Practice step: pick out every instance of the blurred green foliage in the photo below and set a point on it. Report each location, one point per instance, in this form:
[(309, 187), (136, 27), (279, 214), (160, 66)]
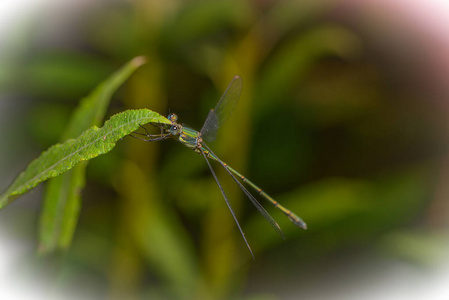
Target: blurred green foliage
[(317, 127)]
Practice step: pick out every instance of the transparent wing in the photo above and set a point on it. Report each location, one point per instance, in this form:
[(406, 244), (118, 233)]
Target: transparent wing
[(222, 110)]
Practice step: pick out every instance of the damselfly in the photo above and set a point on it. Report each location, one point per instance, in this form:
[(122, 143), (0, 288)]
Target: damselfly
[(194, 140)]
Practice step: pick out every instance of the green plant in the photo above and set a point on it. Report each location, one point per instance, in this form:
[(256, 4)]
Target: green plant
[(69, 159)]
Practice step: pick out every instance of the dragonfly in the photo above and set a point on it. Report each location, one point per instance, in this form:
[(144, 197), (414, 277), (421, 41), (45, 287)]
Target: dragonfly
[(195, 140)]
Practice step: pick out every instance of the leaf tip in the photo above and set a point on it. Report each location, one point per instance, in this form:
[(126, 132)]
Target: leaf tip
[(139, 60)]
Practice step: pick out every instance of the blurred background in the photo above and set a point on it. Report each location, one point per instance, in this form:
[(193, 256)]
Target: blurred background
[(342, 119)]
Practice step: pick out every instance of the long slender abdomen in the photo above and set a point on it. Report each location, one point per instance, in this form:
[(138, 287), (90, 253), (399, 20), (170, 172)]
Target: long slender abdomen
[(292, 216)]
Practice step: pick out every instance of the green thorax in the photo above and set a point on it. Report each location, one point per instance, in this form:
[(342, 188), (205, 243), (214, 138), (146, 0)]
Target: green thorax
[(189, 137)]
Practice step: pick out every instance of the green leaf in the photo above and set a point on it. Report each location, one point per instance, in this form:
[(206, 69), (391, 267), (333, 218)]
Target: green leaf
[(63, 194), (62, 205), (92, 143), (92, 109)]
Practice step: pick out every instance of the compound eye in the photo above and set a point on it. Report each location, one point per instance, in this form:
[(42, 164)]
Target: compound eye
[(175, 130), (173, 118)]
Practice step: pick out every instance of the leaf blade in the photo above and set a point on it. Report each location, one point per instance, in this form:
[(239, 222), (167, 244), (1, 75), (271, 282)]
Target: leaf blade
[(92, 143), (62, 196)]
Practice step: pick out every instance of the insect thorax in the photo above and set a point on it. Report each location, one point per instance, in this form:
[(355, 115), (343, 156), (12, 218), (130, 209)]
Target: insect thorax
[(190, 138)]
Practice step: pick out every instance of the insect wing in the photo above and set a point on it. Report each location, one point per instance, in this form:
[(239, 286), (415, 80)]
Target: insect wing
[(223, 109)]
